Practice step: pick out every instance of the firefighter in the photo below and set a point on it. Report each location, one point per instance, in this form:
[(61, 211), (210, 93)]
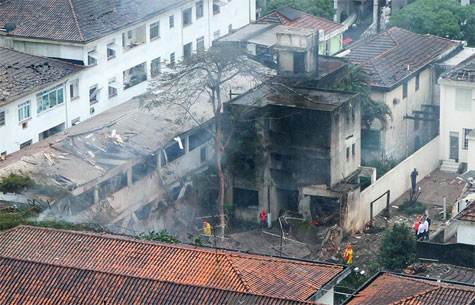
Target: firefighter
[(207, 228), (348, 254), (263, 219)]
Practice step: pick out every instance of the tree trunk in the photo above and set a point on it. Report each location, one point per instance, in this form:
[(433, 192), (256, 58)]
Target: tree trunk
[(219, 156)]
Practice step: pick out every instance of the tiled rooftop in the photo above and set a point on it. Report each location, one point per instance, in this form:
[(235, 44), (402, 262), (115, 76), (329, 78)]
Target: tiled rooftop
[(77, 20), (297, 19), (465, 71), (451, 273), (468, 214), (389, 288), (26, 282), (22, 74), (396, 53), (278, 277)]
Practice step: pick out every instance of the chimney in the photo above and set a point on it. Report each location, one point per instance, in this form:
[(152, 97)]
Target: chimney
[(298, 51)]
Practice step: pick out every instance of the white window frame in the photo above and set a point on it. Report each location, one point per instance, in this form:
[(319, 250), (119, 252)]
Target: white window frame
[(154, 27), (186, 11), (171, 21), (41, 103), (74, 85), (94, 92), (24, 111)]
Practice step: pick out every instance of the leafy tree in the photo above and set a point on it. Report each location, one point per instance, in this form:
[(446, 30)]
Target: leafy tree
[(447, 19), (320, 8), (15, 183), (161, 236), (357, 80), (203, 75), (398, 249)]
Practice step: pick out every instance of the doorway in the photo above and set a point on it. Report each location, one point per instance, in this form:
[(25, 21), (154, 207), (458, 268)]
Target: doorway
[(454, 146)]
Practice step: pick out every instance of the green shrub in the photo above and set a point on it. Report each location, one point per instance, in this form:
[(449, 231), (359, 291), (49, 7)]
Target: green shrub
[(161, 236), (398, 249), (15, 183), (412, 208), (382, 166)]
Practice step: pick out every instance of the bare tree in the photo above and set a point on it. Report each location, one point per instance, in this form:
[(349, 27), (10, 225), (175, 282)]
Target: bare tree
[(206, 75)]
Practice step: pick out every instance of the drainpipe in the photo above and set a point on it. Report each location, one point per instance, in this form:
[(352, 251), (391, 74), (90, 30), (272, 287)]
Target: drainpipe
[(66, 97)]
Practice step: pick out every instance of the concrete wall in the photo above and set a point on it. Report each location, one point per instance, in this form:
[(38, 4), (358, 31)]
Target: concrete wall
[(396, 180), (398, 139), (466, 232), (452, 120)]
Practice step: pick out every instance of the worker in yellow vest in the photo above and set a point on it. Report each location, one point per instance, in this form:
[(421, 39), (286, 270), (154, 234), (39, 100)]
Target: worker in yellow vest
[(207, 228), (348, 254)]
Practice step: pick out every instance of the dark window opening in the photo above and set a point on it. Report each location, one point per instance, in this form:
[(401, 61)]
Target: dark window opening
[(216, 8), (353, 149), (113, 185), (51, 132), (203, 154), (299, 62), (245, 198), (187, 50), (465, 140), (25, 144), (140, 170), (199, 9), (371, 139), (187, 18), (174, 152), (347, 153), (199, 138), (171, 21), (404, 90), (417, 82)]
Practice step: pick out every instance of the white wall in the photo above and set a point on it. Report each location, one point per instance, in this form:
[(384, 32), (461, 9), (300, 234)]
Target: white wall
[(452, 120), (465, 233), (397, 181), (12, 134), (235, 12)]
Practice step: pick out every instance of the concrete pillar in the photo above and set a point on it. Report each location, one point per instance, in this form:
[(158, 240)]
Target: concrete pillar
[(96, 194), (304, 207), (129, 176)]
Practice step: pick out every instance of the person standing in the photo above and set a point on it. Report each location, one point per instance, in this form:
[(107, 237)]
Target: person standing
[(414, 175), (416, 225), (425, 225), (348, 255), (429, 221), (207, 228), (263, 219), (420, 230)]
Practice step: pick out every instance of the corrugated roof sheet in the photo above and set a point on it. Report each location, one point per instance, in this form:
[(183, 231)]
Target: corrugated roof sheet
[(468, 214), (396, 53), (284, 278), (400, 289), (22, 74), (465, 71), (26, 282)]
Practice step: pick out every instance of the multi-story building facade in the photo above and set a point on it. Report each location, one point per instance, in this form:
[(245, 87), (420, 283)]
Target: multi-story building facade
[(123, 44)]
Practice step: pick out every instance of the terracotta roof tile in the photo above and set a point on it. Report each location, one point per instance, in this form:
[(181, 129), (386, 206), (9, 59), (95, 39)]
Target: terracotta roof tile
[(387, 56), (26, 282), (22, 74), (401, 289), (304, 20), (468, 214), (229, 270)]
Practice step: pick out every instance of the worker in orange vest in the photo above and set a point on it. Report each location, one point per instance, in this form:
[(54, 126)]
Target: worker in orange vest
[(348, 254), (263, 219), (416, 224)]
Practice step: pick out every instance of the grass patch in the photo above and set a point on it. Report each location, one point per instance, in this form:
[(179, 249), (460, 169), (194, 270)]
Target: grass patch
[(411, 209), (382, 166)]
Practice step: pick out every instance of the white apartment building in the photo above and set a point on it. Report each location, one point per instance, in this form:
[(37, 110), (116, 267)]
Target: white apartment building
[(122, 43), (457, 114)]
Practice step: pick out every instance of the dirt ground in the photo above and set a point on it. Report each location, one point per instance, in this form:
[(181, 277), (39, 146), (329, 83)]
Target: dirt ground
[(365, 244)]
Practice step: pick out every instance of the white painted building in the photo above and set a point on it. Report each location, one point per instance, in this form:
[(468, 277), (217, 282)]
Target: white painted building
[(457, 112), (122, 44), (36, 95)]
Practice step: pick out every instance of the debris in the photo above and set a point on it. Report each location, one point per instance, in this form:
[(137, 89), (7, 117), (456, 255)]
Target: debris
[(49, 158), (91, 153), (28, 160)]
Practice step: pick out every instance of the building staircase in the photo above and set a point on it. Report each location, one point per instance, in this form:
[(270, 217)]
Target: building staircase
[(450, 166)]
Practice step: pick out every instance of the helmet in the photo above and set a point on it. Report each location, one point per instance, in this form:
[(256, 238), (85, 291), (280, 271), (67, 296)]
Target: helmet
[(349, 246)]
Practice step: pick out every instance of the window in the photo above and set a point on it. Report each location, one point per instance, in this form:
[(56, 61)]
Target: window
[(199, 9), (203, 156), (187, 18), (370, 139), (93, 94), (156, 66), (134, 38), (200, 44), (465, 140), (171, 21), (347, 153), (135, 75), (172, 58), (111, 50), (463, 99), (353, 149), (173, 152), (216, 8), (92, 58), (216, 34), (25, 144), (50, 98), (24, 111), (130, 34), (404, 90), (2, 118), (230, 28), (155, 30), (198, 138), (187, 49), (417, 82), (112, 87), (74, 89)]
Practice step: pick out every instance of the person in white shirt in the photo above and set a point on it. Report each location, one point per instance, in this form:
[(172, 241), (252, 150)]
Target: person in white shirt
[(425, 224), (420, 231)]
